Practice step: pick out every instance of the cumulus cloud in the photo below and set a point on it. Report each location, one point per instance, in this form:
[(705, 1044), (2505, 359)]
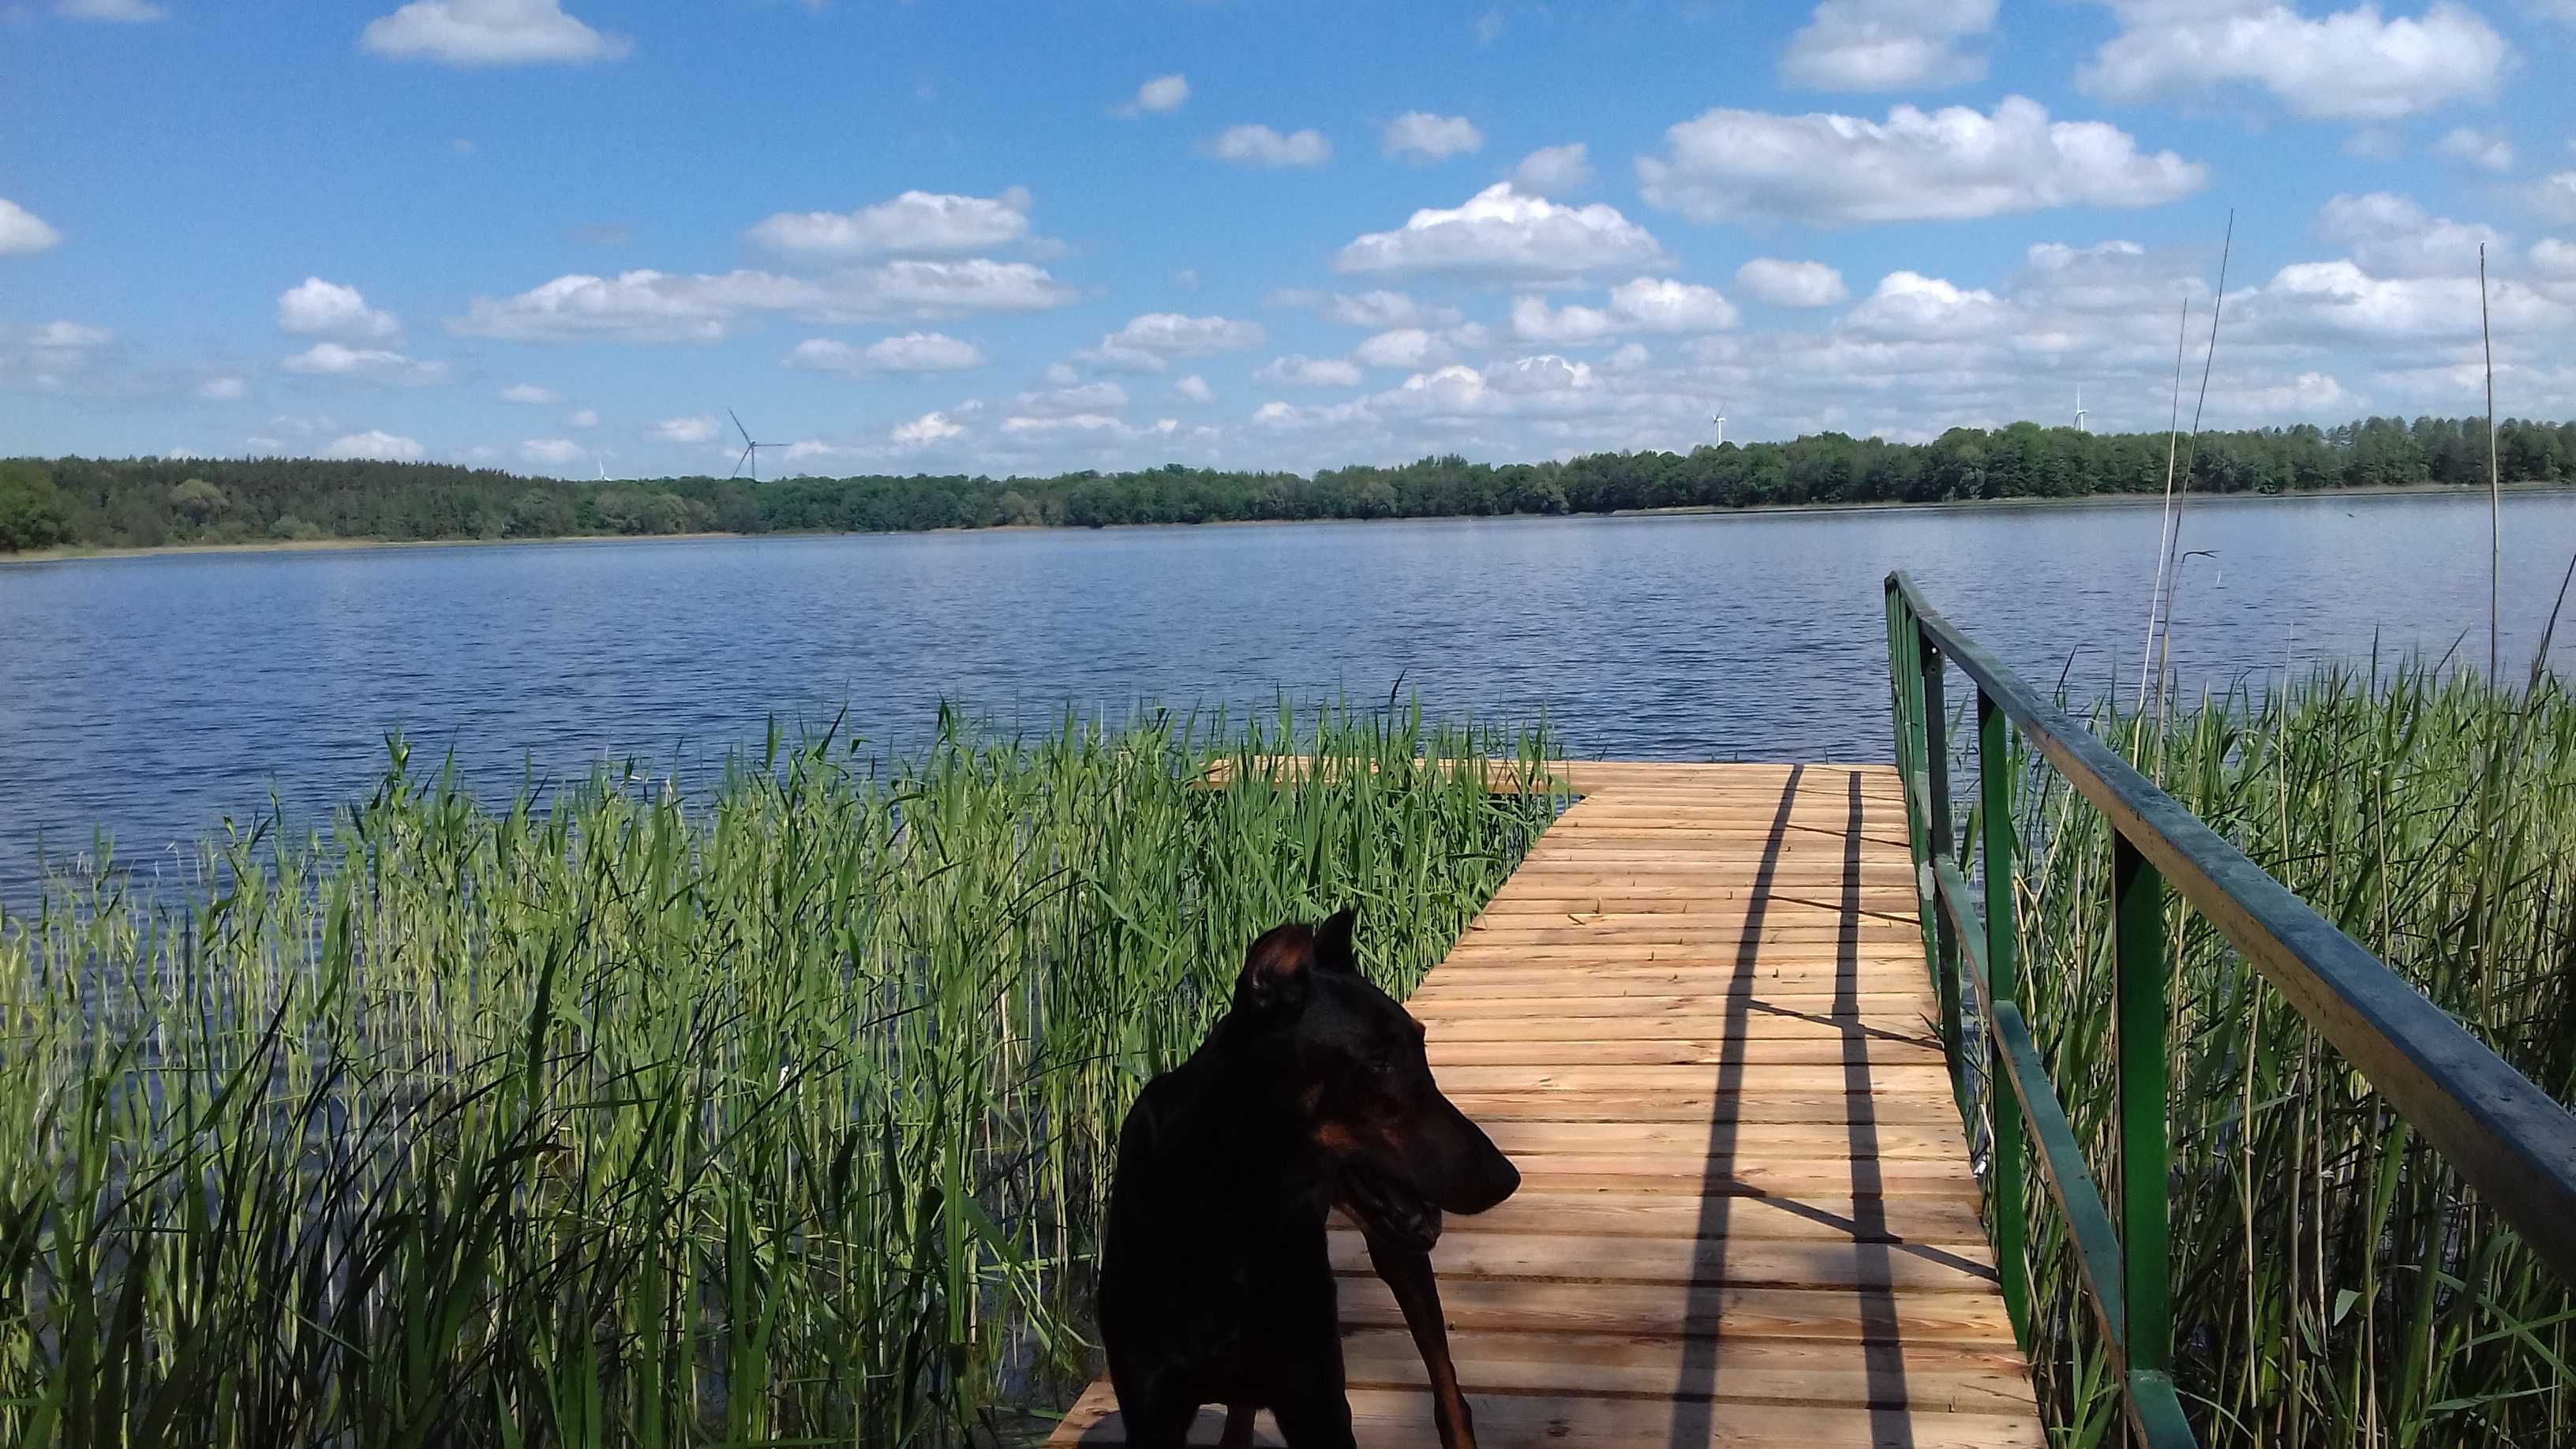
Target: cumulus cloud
[(554, 452), (584, 418), (1071, 401), (924, 430), (686, 430), (1403, 348), (1193, 389), (316, 308), (365, 364), (650, 306), (1262, 146), (223, 388), (489, 32), (1148, 342), (2340, 302), (2486, 150), (22, 232), (1831, 170), (1885, 45), (375, 445), (1298, 370), (529, 392), (911, 352), (2352, 65), (1911, 305), (1553, 170), (1374, 308), (1422, 136), (916, 223), (121, 11), (2391, 236), (1644, 305), (1791, 284), (1158, 97), (2553, 196), (1504, 234)]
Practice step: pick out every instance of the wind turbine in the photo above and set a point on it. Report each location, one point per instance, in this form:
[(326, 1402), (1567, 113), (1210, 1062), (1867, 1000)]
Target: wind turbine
[(750, 448), (2079, 407), (1719, 418)]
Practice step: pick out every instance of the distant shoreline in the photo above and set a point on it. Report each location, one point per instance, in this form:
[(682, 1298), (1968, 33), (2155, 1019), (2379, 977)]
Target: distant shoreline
[(81, 554)]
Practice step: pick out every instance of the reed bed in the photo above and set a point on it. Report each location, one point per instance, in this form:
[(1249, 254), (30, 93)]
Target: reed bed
[(2334, 1284), (776, 1116)]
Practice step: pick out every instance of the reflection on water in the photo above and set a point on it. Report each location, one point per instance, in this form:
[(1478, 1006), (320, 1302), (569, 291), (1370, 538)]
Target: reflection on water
[(153, 696)]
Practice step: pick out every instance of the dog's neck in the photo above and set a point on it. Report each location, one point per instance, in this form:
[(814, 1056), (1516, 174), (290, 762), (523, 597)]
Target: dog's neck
[(1250, 1142)]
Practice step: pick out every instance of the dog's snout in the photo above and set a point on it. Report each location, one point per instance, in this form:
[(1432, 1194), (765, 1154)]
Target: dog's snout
[(1497, 1180)]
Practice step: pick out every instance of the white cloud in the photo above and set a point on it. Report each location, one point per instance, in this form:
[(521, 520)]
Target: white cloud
[(1403, 348), (223, 388), (1193, 389), (924, 430), (2338, 301), (2348, 66), (1885, 45), (916, 223), (22, 232), (316, 308), (1553, 170), (1489, 27), (1422, 136), (375, 445), (1160, 97), (1065, 402), (1298, 370), (1792, 284), (69, 337), (650, 306), (1148, 342), (488, 32), (529, 392), (1644, 305), (1831, 170), (2486, 150), (2553, 196), (2553, 258), (552, 451), (686, 430), (584, 418), (123, 11), (911, 352), (1502, 233), (365, 364), (1075, 423), (2391, 236), (1373, 309), (1909, 305), (1262, 146)]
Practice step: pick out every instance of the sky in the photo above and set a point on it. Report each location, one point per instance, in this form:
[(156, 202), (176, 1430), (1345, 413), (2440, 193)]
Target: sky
[(566, 236)]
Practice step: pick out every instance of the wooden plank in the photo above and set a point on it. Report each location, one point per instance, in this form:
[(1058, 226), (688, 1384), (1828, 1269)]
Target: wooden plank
[(1399, 1419), (1700, 1024)]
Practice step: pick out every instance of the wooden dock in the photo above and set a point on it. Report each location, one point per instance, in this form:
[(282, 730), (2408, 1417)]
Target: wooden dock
[(1698, 1018)]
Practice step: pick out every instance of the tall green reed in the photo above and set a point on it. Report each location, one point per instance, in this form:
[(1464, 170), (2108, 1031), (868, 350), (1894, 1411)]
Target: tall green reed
[(2334, 1282), (781, 1115)]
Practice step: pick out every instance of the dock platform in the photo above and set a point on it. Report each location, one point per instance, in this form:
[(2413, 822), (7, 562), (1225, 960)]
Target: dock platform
[(1697, 1016)]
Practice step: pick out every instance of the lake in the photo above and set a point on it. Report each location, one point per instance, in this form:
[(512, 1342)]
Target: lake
[(154, 696)]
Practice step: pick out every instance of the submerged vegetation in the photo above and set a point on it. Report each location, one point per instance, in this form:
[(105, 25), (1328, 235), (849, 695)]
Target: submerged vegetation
[(775, 1117), (147, 502), (2333, 1284)]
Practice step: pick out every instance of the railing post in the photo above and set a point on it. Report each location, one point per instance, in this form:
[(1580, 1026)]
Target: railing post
[(1904, 678), (2139, 966), (1936, 810), (2003, 984)]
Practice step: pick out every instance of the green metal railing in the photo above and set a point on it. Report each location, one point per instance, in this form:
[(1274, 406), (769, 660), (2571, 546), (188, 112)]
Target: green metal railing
[(2508, 1138)]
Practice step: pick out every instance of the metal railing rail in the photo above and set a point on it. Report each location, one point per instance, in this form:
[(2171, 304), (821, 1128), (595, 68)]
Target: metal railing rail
[(2512, 1142)]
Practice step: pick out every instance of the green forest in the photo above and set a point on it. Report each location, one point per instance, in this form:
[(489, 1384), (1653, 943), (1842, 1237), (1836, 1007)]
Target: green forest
[(150, 502)]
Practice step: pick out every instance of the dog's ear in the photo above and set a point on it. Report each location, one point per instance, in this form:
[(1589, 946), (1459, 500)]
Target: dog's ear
[(1333, 942), (1277, 971)]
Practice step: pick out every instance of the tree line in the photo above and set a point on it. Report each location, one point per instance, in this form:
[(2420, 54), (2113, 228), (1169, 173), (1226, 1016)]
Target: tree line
[(149, 502)]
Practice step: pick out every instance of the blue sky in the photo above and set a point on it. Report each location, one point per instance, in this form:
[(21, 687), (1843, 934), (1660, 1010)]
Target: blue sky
[(565, 235)]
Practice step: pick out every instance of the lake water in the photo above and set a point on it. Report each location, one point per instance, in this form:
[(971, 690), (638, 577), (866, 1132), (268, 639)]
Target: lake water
[(154, 696)]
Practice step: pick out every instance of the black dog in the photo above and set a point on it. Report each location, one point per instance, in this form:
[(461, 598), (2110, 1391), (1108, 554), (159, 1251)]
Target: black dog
[(1215, 1286)]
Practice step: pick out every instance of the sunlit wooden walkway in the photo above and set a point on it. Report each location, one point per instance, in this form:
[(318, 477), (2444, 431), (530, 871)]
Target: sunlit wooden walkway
[(1698, 1018)]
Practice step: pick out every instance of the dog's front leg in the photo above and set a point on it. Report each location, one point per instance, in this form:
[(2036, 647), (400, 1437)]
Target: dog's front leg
[(1408, 1272)]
